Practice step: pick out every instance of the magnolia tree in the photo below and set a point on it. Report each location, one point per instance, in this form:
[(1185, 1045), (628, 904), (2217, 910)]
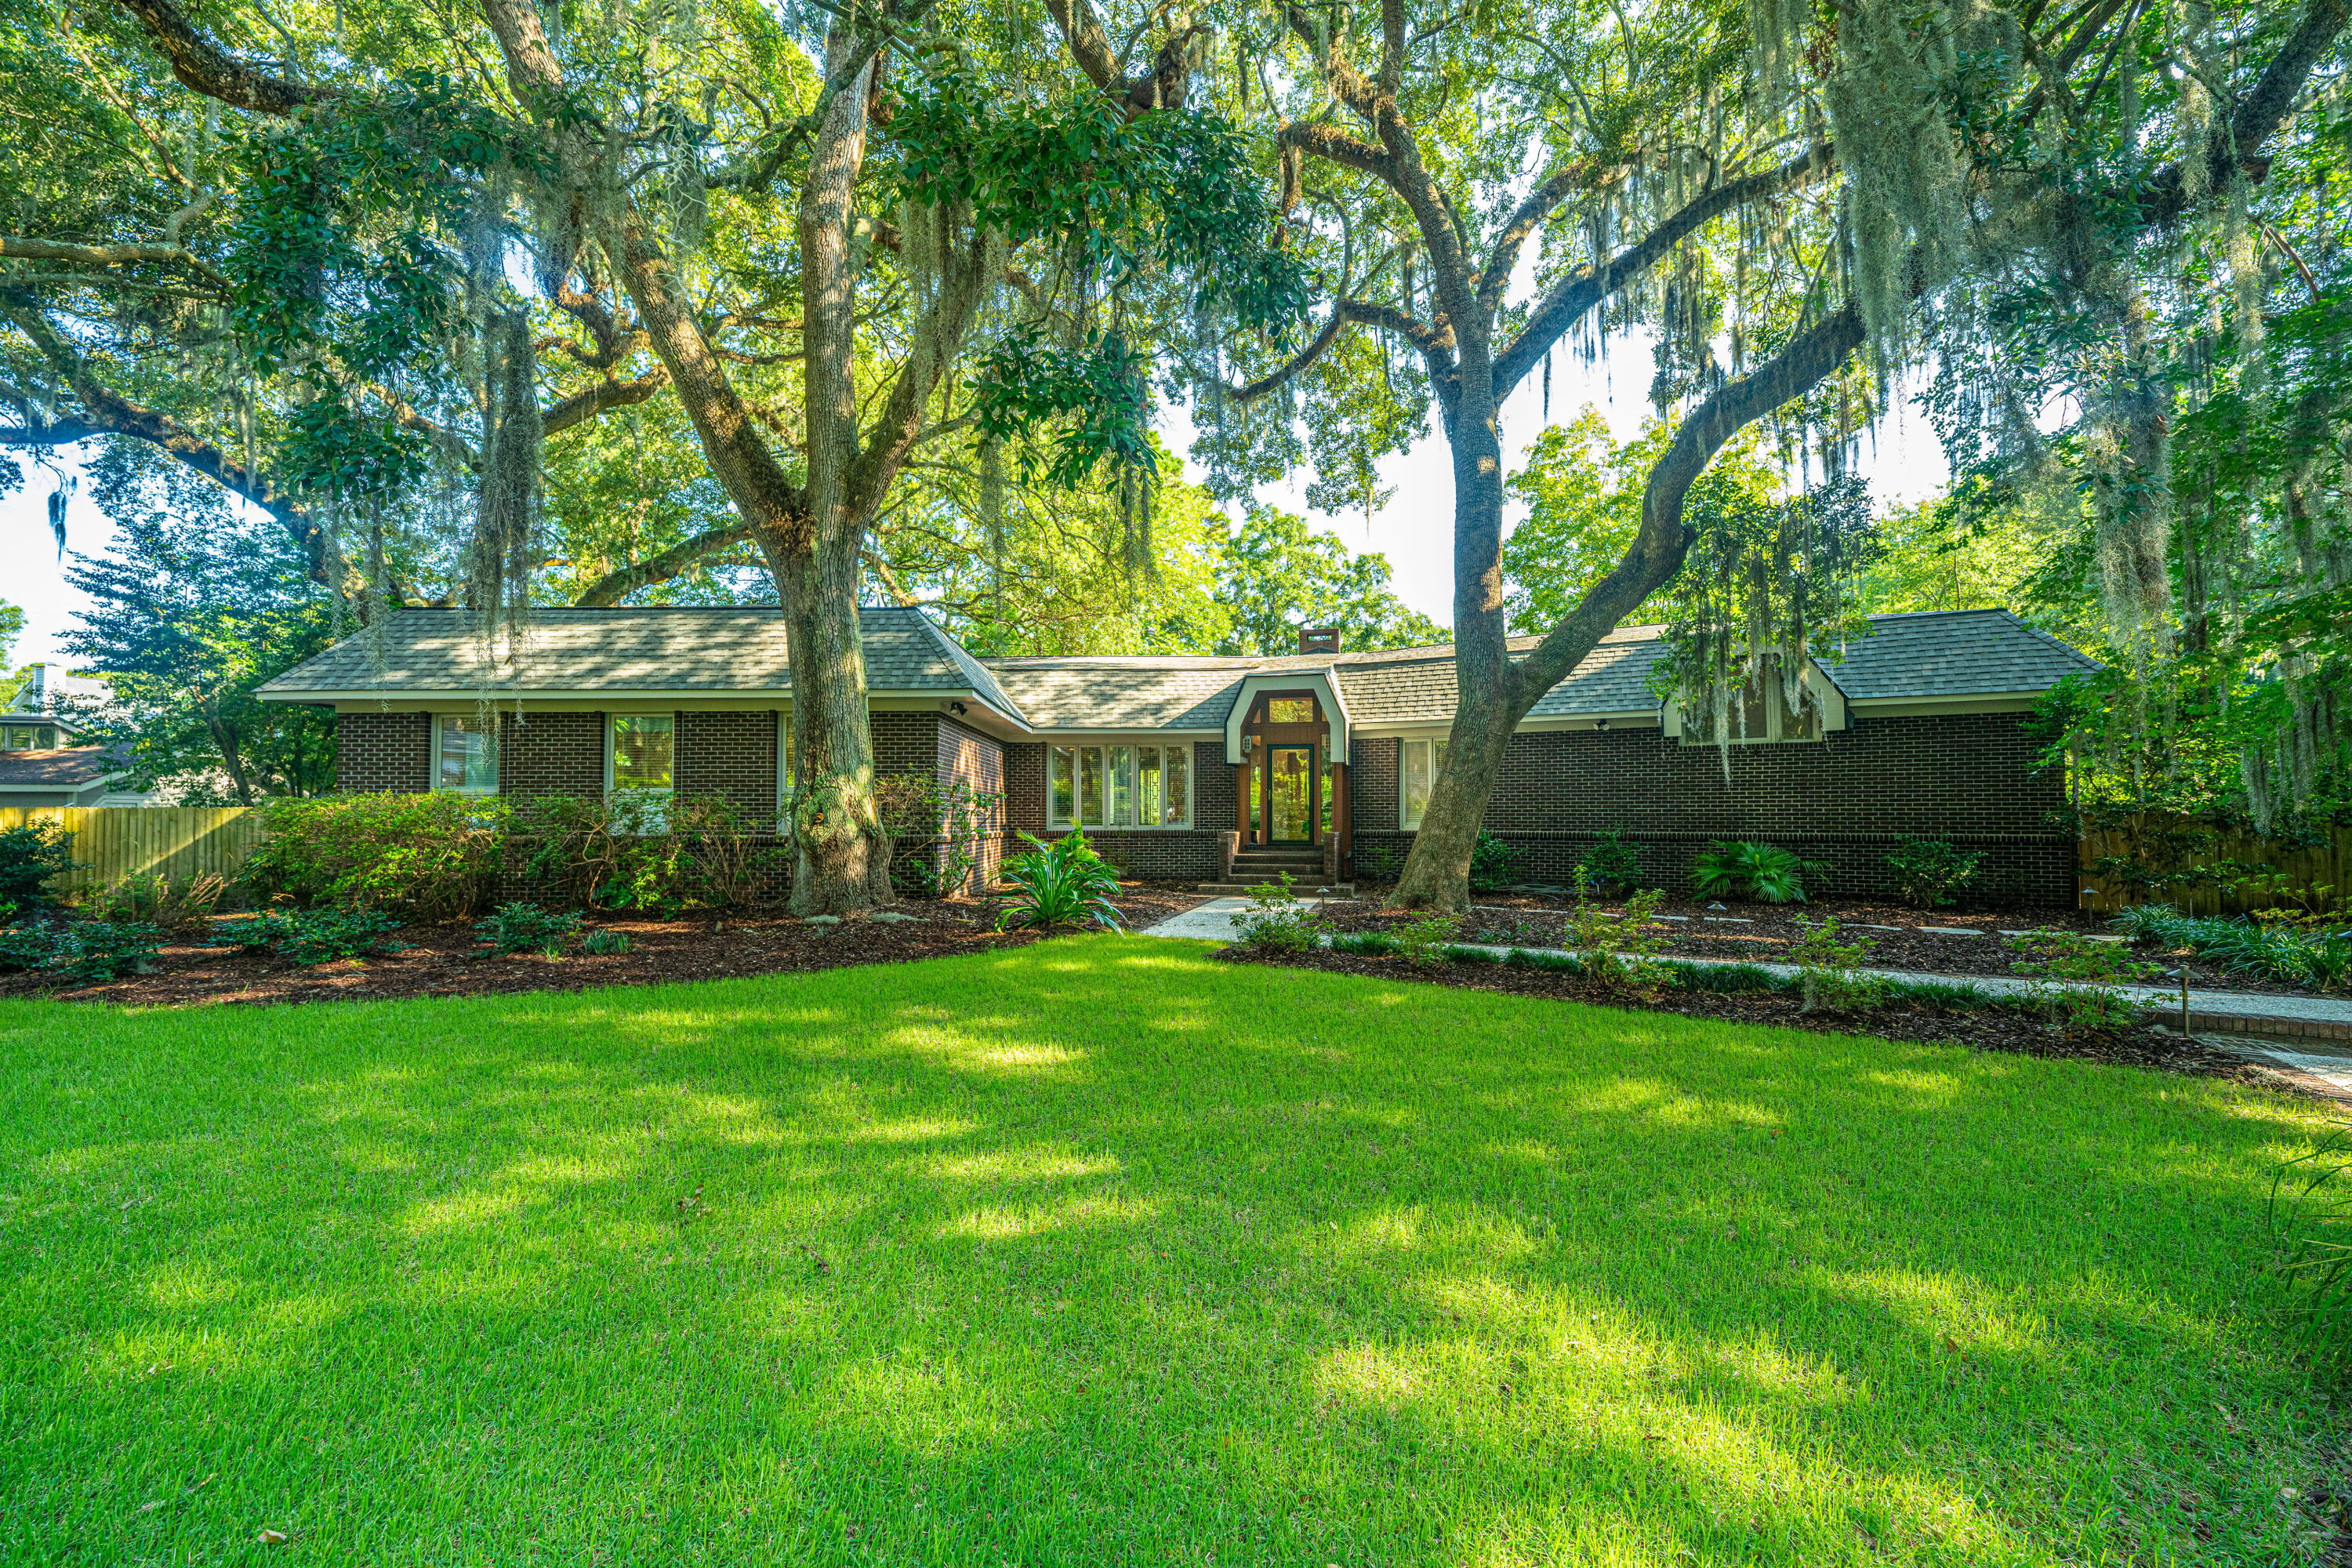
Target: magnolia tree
[(361, 261), (1765, 191)]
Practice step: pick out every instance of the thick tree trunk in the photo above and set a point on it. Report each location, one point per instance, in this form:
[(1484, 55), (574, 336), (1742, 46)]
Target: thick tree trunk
[(841, 859), (1495, 693)]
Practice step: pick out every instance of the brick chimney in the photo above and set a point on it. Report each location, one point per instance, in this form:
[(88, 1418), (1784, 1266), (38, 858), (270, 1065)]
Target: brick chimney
[(1319, 639)]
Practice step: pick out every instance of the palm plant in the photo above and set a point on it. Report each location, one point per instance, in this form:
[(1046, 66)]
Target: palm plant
[(1743, 870), (1061, 883)]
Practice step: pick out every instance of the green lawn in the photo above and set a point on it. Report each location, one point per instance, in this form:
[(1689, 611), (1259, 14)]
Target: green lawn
[(1100, 1252)]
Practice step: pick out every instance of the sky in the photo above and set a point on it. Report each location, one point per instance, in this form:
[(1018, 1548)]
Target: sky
[(1905, 463)]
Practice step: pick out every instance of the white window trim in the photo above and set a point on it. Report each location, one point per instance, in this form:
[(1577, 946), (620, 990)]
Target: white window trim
[(497, 762), (611, 720), (1431, 740), (1105, 743)]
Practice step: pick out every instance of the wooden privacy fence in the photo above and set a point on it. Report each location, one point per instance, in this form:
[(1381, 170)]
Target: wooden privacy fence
[(2173, 844), (181, 842)]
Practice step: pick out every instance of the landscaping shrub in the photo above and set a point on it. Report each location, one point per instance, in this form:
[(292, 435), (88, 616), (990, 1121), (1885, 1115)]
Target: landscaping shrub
[(1612, 864), (1490, 863), (1566, 963), (30, 856), (1378, 863), (145, 896), (1061, 883), (527, 927), (1425, 938), (1737, 868), (2311, 1217), (1363, 943), (656, 855), (2080, 978), (944, 826), (1831, 973), (605, 941), (2289, 949), (1620, 950), (1276, 921), (311, 936), (1931, 873), (84, 950), (432, 857)]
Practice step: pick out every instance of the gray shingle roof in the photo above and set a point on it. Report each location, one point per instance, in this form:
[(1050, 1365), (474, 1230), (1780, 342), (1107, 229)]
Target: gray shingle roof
[(669, 648), (1953, 653), (1124, 693)]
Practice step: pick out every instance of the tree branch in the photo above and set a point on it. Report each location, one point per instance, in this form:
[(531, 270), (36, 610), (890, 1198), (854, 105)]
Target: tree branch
[(200, 64), (618, 584), (1658, 551), (1585, 287), (104, 255), (601, 398)]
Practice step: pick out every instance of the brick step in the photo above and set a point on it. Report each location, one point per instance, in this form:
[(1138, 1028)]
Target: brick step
[(1303, 887), (1278, 858)]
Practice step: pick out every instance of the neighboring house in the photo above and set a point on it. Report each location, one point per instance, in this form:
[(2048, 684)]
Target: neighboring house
[(1191, 769), (39, 763)]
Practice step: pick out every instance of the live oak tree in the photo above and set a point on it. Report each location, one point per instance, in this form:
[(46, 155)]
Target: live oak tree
[(1786, 182), (829, 248)]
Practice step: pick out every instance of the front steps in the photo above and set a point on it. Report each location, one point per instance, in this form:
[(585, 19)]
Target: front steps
[(1255, 868)]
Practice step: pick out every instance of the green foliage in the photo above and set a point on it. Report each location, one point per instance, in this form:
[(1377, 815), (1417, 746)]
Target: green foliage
[(81, 950), (935, 832), (1619, 949), (1613, 865), (1277, 575), (1730, 979), (431, 856), (526, 928), (1378, 863), (311, 936), (1583, 493), (191, 609), (1276, 921), (2311, 1221), (150, 895), (603, 939), (1061, 883), (2319, 956), (1491, 863), (1930, 872), (1424, 939), (1741, 869), (1831, 976), (29, 857), (655, 855), (2080, 979)]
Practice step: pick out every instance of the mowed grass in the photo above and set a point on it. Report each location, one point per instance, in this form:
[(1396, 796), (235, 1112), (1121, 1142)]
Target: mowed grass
[(1099, 1252)]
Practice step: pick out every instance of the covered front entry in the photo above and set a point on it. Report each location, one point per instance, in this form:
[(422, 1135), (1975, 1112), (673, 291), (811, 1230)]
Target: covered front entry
[(1290, 790)]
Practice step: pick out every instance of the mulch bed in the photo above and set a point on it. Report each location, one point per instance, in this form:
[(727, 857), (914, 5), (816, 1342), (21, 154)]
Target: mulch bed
[(1762, 933), (446, 960), (1991, 1029)]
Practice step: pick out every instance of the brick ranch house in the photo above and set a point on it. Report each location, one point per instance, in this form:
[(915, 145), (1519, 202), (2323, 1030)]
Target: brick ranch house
[(1197, 768)]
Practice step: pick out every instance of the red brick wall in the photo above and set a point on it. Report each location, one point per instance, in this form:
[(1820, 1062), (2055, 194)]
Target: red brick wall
[(979, 760), (378, 753), (1969, 778), (550, 753), (730, 756)]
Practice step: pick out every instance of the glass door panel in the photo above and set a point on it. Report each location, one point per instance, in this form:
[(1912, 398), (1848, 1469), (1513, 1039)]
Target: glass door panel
[(1290, 794)]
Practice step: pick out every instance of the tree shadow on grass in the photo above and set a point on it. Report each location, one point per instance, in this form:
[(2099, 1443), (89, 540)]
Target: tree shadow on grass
[(1104, 1252)]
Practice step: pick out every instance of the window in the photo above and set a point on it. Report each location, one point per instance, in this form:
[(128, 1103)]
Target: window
[(644, 747), (1417, 770), (1756, 717), (1119, 786), (28, 738), (1290, 709), (465, 753)]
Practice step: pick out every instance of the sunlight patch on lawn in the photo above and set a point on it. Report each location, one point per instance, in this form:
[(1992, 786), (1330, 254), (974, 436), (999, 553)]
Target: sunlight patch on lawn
[(1011, 1222), (1037, 1163)]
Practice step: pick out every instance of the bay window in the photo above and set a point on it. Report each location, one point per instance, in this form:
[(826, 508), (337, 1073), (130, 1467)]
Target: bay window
[(1119, 786), (1417, 770)]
